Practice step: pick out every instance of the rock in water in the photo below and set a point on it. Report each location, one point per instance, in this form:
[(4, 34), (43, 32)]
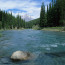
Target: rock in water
[(5, 60), (20, 55)]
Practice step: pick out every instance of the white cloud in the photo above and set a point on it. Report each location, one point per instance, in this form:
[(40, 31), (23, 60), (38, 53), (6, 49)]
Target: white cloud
[(26, 5)]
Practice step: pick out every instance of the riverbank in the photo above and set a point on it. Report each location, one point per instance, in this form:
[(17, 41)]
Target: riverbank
[(12, 29), (54, 29), (60, 29)]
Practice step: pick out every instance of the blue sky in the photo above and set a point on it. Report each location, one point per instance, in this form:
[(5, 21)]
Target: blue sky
[(22, 7)]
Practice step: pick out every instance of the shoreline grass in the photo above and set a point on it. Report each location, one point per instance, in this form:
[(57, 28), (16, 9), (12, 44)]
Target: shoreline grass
[(53, 29), (60, 29)]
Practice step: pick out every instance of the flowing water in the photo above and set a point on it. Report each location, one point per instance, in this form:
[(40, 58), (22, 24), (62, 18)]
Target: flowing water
[(48, 47)]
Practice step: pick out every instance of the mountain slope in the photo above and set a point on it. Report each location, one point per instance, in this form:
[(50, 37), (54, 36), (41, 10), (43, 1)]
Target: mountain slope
[(27, 17)]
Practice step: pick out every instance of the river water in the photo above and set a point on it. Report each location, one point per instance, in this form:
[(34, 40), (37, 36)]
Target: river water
[(48, 47)]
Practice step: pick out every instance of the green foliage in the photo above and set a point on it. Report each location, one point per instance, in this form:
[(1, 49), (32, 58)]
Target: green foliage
[(8, 21), (32, 23), (42, 16), (53, 28), (55, 13), (64, 25), (64, 29), (36, 27), (53, 17)]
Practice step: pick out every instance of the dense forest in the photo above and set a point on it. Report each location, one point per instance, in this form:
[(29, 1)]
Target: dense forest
[(8, 21), (53, 17)]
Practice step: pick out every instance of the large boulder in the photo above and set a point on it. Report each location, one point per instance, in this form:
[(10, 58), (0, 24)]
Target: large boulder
[(20, 55)]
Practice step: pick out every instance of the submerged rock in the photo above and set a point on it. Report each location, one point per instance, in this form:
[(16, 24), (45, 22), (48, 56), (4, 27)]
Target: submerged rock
[(5, 60), (56, 54), (20, 55)]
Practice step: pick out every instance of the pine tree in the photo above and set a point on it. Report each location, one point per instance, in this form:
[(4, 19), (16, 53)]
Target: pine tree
[(42, 16), (0, 19), (0, 15), (8, 21), (47, 15), (50, 22), (3, 20)]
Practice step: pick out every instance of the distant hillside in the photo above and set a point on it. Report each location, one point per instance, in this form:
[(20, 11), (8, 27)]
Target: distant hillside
[(32, 22)]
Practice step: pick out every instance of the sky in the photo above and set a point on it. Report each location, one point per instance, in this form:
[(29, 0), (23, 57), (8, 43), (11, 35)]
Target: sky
[(22, 7)]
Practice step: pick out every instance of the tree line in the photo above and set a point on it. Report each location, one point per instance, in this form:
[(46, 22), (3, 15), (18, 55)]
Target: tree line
[(53, 17), (8, 21)]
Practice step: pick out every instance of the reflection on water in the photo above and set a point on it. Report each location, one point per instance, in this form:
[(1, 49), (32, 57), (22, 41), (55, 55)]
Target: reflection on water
[(47, 47)]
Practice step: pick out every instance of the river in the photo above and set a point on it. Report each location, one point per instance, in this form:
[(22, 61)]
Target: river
[(48, 47)]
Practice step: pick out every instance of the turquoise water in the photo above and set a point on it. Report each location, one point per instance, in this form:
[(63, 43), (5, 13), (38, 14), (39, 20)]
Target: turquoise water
[(48, 47)]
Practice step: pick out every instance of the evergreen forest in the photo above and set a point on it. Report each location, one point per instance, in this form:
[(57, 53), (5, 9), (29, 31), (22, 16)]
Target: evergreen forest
[(53, 17)]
